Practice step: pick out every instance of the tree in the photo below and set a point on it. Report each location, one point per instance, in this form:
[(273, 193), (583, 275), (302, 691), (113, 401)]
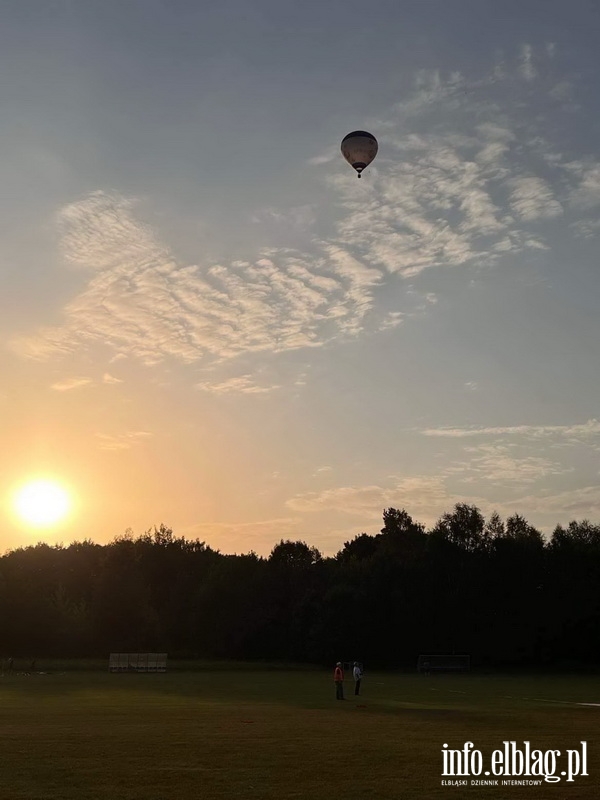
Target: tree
[(494, 527), (359, 548), (493, 589), (464, 527), (294, 554), (399, 522), (519, 529), (578, 534)]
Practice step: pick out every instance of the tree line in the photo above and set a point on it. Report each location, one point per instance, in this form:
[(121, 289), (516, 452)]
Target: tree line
[(495, 589)]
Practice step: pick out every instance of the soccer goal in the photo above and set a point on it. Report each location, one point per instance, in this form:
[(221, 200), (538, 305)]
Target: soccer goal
[(137, 662), (443, 663)]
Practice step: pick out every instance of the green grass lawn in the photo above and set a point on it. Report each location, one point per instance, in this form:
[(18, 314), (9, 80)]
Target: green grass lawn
[(278, 734)]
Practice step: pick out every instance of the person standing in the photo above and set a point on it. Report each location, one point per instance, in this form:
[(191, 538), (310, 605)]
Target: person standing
[(357, 673), (338, 677)]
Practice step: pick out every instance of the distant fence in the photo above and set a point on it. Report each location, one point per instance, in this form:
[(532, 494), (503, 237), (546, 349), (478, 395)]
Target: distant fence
[(137, 662), (443, 663)]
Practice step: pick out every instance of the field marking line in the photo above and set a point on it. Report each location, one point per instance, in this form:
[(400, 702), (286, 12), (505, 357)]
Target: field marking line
[(544, 700), (562, 702)]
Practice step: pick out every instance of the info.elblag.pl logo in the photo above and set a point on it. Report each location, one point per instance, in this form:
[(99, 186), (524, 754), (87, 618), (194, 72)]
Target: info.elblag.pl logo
[(512, 765)]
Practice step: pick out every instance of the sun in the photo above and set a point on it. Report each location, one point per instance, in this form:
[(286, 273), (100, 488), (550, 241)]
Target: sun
[(42, 503)]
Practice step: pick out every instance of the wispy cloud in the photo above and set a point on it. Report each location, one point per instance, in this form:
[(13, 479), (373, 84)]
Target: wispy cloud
[(329, 154), (146, 306), (578, 432), (392, 320), (464, 175), (243, 384), (69, 384), (322, 470), (532, 198), (300, 217), (426, 497), (528, 70), (497, 464), (585, 194), (586, 229), (582, 502), (121, 441)]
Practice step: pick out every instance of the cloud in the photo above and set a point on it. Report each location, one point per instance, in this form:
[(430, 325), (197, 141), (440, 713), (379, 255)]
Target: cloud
[(325, 157), (299, 217), (144, 305), (349, 499), (122, 441), (580, 503), (424, 497), (585, 194), (531, 198), (428, 211), (573, 433), (322, 470), (586, 229), (244, 384), (108, 378), (496, 464), (427, 497), (392, 320), (563, 90), (71, 383), (466, 175), (101, 233), (527, 68)]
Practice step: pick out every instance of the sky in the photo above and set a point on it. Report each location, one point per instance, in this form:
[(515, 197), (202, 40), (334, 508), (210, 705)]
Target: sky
[(208, 322)]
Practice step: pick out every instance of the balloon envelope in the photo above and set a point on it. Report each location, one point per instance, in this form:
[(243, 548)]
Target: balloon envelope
[(359, 148)]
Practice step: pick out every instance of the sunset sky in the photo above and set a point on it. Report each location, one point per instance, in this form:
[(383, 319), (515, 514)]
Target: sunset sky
[(207, 321)]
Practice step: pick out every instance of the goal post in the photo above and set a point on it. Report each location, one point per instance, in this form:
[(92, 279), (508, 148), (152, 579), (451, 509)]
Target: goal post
[(443, 663), (137, 662)]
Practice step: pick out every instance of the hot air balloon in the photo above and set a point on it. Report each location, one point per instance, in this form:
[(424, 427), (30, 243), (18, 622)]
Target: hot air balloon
[(359, 148)]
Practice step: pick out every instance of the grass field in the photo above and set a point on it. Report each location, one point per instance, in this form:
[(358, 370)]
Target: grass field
[(244, 733)]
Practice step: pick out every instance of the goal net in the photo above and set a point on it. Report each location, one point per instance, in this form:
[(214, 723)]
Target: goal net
[(137, 662)]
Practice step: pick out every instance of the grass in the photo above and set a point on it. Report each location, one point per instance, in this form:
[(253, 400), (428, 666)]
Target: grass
[(277, 734)]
